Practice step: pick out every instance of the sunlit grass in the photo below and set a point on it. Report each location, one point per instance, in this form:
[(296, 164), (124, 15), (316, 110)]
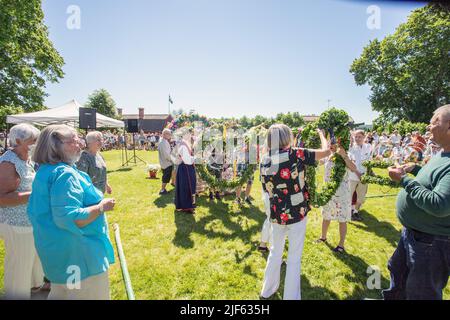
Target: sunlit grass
[(212, 254)]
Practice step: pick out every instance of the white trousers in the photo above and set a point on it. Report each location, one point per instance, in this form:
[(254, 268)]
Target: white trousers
[(296, 237), (23, 269), (91, 288), (266, 232)]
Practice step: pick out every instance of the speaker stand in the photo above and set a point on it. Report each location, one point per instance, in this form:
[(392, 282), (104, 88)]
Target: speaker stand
[(134, 157)]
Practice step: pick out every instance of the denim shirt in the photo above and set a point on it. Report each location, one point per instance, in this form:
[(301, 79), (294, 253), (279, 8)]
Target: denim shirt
[(61, 194)]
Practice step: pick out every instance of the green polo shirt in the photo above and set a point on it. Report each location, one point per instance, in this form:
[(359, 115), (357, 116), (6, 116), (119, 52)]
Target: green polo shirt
[(424, 203)]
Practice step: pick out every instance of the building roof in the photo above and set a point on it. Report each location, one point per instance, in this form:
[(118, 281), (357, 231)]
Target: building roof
[(146, 116)]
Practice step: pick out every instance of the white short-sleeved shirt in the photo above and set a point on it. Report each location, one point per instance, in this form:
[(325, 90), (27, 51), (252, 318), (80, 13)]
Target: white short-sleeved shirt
[(359, 154)]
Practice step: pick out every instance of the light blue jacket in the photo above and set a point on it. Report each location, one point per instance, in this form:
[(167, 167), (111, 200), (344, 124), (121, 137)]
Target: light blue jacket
[(60, 196)]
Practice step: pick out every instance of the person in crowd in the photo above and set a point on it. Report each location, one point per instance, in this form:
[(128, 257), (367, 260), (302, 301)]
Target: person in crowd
[(141, 139), (165, 159), (359, 153), (243, 161), (68, 217), (93, 163), (395, 138), (420, 266), (283, 178), (23, 269), (369, 138), (2, 143), (418, 143), (266, 232), (376, 138), (298, 142), (384, 138), (339, 208), (185, 185), (152, 142), (215, 166), (407, 139)]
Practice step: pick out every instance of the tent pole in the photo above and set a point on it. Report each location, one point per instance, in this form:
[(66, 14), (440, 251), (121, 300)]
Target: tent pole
[(6, 135)]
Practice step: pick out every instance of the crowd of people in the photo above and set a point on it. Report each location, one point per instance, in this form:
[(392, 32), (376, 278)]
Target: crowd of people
[(53, 207), (423, 205), (52, 214)]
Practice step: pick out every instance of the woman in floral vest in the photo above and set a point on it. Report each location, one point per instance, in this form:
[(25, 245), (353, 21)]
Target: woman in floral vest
[(283, 179)]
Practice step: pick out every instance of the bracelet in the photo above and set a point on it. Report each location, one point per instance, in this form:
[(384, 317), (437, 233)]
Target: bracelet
[(100, 208)]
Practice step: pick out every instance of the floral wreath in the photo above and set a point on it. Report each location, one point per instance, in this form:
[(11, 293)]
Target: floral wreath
[(213, 181), (371, 177), (335, 122)]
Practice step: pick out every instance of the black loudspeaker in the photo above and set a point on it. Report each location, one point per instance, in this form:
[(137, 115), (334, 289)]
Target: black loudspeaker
[(132, 125), (88, 118)]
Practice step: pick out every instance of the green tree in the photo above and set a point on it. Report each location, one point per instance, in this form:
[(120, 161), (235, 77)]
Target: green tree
[(5, 111), (27, 57), (102, 101), (409, 71)]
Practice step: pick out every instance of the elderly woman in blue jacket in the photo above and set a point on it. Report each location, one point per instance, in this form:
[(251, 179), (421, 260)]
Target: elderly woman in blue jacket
[(69, 224)]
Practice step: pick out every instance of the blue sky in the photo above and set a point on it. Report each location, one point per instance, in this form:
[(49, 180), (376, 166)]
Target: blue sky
[(221, 58)]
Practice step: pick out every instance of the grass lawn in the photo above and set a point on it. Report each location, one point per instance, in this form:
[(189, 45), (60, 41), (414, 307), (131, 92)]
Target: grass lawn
[(212, 254)]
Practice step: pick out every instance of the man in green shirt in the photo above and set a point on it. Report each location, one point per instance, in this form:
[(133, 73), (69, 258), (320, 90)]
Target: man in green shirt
[(420, 266)]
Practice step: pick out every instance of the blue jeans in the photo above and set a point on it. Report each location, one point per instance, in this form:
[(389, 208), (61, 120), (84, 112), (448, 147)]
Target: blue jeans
[(420, 267)]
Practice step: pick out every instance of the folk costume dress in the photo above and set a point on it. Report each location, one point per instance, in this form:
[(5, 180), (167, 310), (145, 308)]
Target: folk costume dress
[(339, 207), (186, 181)]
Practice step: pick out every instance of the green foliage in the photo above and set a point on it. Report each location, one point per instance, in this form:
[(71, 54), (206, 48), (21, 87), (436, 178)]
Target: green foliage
[(403, 126), (337, 121), (293, 120), (5, 111), (27, 57), (409, 71), (220, 184), (371, 177), (102, 101)]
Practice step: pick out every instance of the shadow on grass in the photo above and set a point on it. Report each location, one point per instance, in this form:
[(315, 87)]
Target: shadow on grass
[(185, 223), (359, 276), (225, 211), (381, 228), (308, 291), (121, 169), (163, 200)]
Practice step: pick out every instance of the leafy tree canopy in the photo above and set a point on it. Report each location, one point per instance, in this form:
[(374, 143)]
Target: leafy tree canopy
[(102, 101), (27, 57), (409, 71)]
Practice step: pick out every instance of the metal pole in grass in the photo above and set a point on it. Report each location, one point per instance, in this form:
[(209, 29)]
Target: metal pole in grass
[(123, 263)]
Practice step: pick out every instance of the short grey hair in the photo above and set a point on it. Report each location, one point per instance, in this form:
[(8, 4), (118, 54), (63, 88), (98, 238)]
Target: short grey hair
[(279, 136), (93, 136), (166, 130), (22, 132), (444, 111), (50, 144)]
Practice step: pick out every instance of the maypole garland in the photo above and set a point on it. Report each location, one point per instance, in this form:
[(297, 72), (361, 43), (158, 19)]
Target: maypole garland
[(212, 180), (331, 120), (371, 177)]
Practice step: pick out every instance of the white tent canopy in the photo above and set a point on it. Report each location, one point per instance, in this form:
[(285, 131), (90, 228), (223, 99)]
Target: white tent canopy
[(65, 114)]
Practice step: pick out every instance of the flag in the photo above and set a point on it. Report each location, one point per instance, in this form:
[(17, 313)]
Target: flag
[(170, 100)]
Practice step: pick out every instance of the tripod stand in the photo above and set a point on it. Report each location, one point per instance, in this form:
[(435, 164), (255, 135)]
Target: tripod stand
[(134, 157)]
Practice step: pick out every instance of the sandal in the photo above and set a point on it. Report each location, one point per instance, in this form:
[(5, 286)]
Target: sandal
[(339, 249), (320, 240)]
